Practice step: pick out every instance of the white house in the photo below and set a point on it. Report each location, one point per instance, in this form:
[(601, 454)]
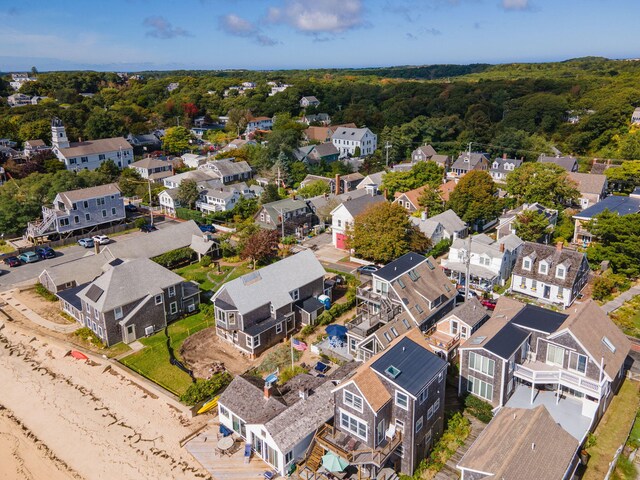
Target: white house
[(215, 197), (343, 215), (346, 140), (259, 123), (168, 201), (88, 155), (446, 225), (193, 160), (501, 167), (635, 117), (196, 175), (310, 101)]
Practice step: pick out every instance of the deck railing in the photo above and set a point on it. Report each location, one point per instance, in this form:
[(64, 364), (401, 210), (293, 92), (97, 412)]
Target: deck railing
[(557, 376)]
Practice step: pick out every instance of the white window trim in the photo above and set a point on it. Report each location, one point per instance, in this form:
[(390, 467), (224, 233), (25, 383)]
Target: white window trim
[(357, 419), (473, 381), (586, 365), (352, 403), (173, 308), (406, 407), (252, 342), (419, 424), (158, 299), (295, 294), (482, 360), (172, 291), (117, 313), (279, 328)]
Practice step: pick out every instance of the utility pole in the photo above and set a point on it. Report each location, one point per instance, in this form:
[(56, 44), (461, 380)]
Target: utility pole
[(281, 212), (387, 146), (467, 269), (150, 204)]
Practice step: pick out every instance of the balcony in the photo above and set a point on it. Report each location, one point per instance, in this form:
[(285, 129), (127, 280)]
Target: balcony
[(355, 451), (442, 341), (538, 372), (364, 324), (367, 293)]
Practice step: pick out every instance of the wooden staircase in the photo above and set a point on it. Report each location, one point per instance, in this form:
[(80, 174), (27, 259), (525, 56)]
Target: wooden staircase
[(315, 457)]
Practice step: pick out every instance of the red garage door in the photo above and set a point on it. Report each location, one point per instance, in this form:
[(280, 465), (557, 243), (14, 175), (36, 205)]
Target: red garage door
[(341, 241)]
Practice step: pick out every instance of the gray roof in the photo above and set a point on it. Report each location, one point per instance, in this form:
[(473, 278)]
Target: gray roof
[(94, 147), (202, 244), (470, 312), (501, 163), (468, 162), (589, 182), (450, 221), (570, 164), (128, 282), (246, 400), (323, 200), (356, 206), (195, 175), (272, 284), (149, 162), (81, 271), (285, 205), (483, 244), (426, 150), (537, 252), (72, 196), (355, 134), (228, 167), (614, 203), (372, 179), (302, 152)]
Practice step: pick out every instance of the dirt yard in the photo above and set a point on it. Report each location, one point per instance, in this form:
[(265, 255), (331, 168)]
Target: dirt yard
[(203, 351), (44, 308)]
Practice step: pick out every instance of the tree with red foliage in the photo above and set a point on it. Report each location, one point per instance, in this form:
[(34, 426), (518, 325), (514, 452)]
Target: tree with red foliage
[(260, 246), (190, 109)]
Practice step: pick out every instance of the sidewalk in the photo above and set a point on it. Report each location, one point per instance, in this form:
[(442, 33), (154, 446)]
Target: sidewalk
[(8, 298), (620, 299)]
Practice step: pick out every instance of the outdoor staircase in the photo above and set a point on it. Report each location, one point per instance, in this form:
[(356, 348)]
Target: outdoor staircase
[(315, 457), (449, 470), (40, 228)]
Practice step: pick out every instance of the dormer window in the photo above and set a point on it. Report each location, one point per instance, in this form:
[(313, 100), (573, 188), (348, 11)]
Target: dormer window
[(526, 264), (544, 268), (561, 272)]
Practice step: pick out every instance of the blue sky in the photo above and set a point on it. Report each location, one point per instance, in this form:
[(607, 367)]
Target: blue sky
[(265, 34)]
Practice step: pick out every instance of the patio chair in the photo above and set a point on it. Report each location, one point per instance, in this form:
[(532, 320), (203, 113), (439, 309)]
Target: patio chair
[(269, 475), (321, 367), (224, 431), (247, 452)]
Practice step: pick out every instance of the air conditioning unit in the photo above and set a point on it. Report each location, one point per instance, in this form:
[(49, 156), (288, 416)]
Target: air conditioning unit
[(191, 308), (148, 330)]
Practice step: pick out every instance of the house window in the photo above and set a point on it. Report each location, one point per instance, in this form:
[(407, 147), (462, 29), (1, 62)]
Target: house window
[(76, 219), (87, 217), (480, 388), (173, 308), (158, 299), (295, 294), (172, 291), (560, 272), (544, 268), (104, 213), (430, 412), (424, 394), (526, 264), (113, 211), (85, 204), (339, 222), (454, 327), (253, 342), (224, 412), (419, 424), (84, 159), (400, 426), (353, 425), (99, 201), (481, 364), (402, 400), (101, 156), (578, 362), (555, 355), (288, 458), (117, 312), (279, 328), (352, 400)]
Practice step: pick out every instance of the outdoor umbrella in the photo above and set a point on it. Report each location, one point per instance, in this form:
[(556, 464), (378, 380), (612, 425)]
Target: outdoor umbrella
[(333, 463), (336, 330)]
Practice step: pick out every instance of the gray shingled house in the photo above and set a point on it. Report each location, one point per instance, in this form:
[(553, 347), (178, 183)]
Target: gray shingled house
[(263, 307)]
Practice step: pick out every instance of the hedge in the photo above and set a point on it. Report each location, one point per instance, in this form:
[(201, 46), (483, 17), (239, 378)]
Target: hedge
[(175, 257), (203, 390)]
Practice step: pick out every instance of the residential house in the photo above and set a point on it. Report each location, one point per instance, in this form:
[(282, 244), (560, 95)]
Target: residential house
[(174, 181), (315, 154), (168, 200), (372, 182), (323, 205), (173, 86), (390, 412), (133, 299), (279, 421), (88, 155), (347, 140), (462, 322), (310, 101), (85, 209), (34, 147), (322, 134), (410, 292), (277, 88), (490, 261), (525, 356), (321, 118), (446, 189), (7, 142), (592, 187), (228, 170), (73, 273), (506, 221), (550, 273), (343, 217), (570, 164), (36, 99), (635, 117), (193, 160), (19, 79), (538, 448), (288, 216), (410, 200), (153, 169), (18, 100), (467, 162), (215, 197), (261, 308), (144, 143), (422, 154), (237, 143), (259, 123), (444, 226), (501, 167), (614, 203), (309, 179), (348, 183)]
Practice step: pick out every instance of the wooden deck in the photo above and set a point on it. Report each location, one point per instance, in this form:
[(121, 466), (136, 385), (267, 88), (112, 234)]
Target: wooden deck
[(225, 467)]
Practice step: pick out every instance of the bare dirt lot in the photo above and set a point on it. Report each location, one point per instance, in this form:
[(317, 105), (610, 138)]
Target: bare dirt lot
[(44, 308), (203, 350)]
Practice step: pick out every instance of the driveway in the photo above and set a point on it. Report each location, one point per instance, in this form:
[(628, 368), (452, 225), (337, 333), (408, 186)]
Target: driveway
[(328, 255)]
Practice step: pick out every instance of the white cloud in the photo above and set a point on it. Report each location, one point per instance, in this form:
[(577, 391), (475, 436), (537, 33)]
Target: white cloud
[(319, 16), (159, 27), (515, 4), (240, 27)]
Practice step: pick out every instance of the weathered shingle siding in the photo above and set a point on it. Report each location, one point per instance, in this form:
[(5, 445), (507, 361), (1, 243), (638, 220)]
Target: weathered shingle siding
[(95, 213), (495, 381)]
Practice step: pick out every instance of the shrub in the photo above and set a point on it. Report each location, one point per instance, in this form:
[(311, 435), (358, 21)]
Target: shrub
[(205, 261), (44, 293), (288, 373), (87, 335), (440, 248), (478, 408), (174, 258), (290, 240), (605, 285), (141, 222), (205, 389)]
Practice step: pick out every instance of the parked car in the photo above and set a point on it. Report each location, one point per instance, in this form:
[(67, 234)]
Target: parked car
[(207, 228), (488, 304), (460, 296), (367, 269), (86, 242), (12, 261), (46, 252), (130, 208), (148, 227), (29, 257), (101, 239)]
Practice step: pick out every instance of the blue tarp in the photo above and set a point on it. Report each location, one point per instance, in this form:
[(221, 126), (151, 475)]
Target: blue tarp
[(336, 331)]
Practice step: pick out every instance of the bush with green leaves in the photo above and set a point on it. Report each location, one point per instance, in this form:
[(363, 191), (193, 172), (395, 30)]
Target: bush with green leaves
[(288, 373), (205, 261), (174, 258), (44, 293), (202, 390), (478, 408)]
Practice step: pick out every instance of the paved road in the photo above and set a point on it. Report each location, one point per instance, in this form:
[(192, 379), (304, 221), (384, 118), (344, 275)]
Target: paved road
[(28, 272), (620, 299)]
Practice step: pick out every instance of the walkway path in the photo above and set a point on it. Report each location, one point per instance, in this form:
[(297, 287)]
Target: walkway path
[(449, 471), (620, 299), (9, 298)]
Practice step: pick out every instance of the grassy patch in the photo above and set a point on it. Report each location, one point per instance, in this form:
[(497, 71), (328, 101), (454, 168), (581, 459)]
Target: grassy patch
[(90, 340), (612, 431), (627, 317), (153, 360), (6, 248), (278, 358), (208, 277), (44, 293)]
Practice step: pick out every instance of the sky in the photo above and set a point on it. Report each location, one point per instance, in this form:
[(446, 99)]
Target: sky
[(284, 34)]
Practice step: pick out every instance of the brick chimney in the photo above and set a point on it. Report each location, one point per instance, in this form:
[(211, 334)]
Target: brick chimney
[(337, 184), (504, 156), (559, 246), (267, 391), (502, 248)]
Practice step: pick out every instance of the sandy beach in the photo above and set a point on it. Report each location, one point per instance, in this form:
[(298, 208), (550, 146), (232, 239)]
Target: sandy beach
[(61, 418)]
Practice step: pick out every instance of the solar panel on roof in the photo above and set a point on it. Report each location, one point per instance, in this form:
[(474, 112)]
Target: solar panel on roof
[(94, 293)]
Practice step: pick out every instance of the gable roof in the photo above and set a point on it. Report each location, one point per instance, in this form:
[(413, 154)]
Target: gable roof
[(72, 196), (506, 309), (325, 149), (614, 203), (372, 179), (272, 284), (468, 161), (228, 167), (470, 312), (195, 175), (371, 387), (320, 134), (427, 150), (246, 400), (285, 205), (516, 444), (94, 147), (354, 134), (446, 189), (568, 163), (501, 162), (412, 195), (533, 317), (450, 221), (400, 265), (355, 206), (149, 162), (589, 182), (554, 256)]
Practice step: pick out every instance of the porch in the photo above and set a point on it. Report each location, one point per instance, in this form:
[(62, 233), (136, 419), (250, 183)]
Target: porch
[(479, 276), (333, 347), (442, 342), (542, 373), (566, 410)]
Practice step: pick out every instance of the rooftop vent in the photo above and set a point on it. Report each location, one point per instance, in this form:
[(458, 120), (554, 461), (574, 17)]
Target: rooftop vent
[(392, 372)]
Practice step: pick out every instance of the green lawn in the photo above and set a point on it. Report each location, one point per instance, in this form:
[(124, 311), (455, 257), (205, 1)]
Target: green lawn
[(627, 317), (612, 430), (153, 361), (208, 277)]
